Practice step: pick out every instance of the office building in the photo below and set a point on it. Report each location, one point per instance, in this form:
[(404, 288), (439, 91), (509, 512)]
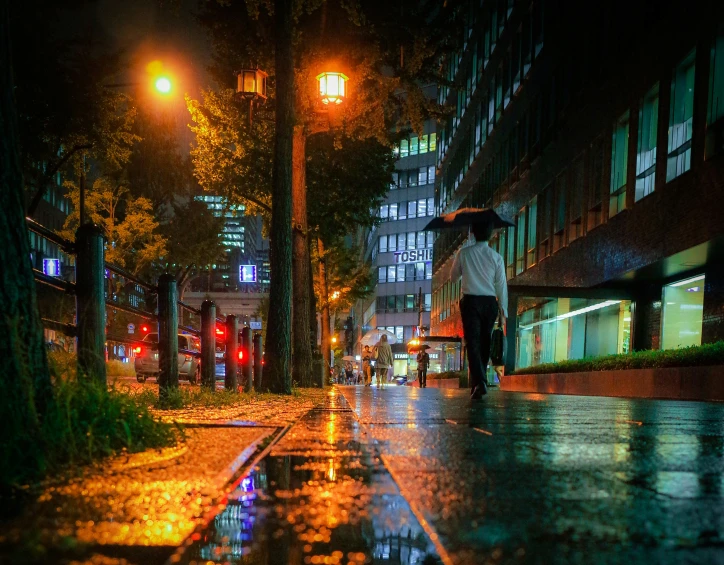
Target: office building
[(598, 128), (401, 252)]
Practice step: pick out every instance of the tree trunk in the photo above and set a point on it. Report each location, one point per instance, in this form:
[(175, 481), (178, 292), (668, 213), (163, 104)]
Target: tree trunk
[(25, 379), (278, 335), (325, 337), (302, 356)]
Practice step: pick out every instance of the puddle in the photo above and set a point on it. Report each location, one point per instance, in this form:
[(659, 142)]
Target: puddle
[(320, 496)]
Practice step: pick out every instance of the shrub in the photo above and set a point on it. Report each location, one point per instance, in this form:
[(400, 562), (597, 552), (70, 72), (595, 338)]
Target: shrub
[(694, 356), (84, 422), (115, 368)]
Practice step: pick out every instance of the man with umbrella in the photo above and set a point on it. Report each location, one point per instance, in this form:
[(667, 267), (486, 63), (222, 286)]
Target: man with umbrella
[(484, 287), (423, 362)]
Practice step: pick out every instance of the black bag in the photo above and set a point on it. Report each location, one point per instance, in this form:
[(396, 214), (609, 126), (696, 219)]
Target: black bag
[(498, 345)]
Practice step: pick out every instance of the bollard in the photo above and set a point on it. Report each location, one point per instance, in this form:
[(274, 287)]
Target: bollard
[(167, 335), (258, 356), (208, 345), (246, 368), (231, 364), (91, 302)]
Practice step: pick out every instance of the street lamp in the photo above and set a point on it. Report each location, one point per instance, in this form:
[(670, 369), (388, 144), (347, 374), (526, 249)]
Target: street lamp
[(163, 85), (332, 87), (251, 85), (334, 339)]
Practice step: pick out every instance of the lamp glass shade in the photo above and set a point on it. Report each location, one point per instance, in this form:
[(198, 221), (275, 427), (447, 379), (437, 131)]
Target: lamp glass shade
[(332, 87), (251, 83)]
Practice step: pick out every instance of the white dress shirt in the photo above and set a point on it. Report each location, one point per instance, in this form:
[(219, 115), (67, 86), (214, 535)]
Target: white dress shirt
[(483, 273)]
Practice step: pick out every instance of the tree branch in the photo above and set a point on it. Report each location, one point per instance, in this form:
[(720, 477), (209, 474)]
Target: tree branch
[(49, 174)]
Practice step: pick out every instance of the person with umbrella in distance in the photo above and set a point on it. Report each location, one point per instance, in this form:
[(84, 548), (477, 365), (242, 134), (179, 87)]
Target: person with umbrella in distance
[(484, 287), (423, 362), (383, 354)]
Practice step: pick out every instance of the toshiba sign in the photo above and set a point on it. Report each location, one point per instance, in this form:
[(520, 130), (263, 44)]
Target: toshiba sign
[(413, 256)]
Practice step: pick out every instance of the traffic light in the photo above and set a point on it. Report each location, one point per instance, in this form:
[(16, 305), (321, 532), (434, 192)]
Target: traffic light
[(241, 354), (144, 328)]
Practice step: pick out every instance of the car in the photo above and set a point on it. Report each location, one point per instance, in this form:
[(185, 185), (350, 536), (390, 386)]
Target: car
[(189, 363)]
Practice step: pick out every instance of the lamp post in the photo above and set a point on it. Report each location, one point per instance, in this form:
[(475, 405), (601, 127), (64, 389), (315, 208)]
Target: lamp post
[(251, 85)]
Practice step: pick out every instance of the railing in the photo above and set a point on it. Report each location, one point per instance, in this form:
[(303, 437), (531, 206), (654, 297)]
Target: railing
[(99, 304)]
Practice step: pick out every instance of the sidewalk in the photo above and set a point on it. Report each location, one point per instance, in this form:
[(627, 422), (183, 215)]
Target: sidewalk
[(140, 507)]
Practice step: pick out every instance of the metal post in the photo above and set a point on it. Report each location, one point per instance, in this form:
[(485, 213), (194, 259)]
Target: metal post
[(512, 324), (258, 359), (232, 353), (91, 302), (167, 335), (208, 345), (246, 363)]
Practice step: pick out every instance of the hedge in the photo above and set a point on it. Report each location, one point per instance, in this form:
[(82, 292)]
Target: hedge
[(694, 356)]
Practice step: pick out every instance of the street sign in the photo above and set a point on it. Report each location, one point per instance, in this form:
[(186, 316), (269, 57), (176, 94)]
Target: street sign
[(51, 267), (131, 328), (255, 325), (247, 273)]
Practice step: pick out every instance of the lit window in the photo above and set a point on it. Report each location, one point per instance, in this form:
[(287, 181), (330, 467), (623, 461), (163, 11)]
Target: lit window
[(520, 248), (681, 114), (404, 148), (532, 231), (646, 146), (413, 145), (423, 144), (619, 165), (433, 141), (715, 109), (682, 313), (383, 244)]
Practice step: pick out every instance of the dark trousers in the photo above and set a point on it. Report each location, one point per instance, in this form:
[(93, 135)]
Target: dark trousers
[(422, 377), (478, 314)]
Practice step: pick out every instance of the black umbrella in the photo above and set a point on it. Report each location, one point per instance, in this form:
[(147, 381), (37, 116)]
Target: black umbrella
[(466, 217)]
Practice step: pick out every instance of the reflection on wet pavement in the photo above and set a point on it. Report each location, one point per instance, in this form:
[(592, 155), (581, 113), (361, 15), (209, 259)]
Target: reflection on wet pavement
[(524, 478), (321, 495)]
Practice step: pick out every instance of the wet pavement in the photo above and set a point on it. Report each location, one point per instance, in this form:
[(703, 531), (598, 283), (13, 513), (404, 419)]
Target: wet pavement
[(321, 495), (530, 478)]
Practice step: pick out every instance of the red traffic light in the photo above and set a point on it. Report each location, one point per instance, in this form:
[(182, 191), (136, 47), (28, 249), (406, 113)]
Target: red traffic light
[(219, 331), (137, 349), (241, 354), (144, 328)]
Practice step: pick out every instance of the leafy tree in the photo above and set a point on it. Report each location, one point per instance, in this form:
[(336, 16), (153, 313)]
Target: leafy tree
[(131, 229)]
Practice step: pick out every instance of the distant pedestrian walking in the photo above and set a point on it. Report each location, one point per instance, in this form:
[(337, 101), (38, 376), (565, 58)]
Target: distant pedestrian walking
[(423, 362), (367, 366), (485, 297), (383, 354)]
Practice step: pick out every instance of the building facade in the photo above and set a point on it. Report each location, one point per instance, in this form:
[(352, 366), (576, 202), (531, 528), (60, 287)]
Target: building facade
[(400, 251), (598, 128)]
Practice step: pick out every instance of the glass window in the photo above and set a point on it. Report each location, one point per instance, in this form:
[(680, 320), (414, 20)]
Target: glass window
[(682, 313), (428, 298), (422, 207), (395, 180), (428, 270), (619, 164), (596, 183), (410, 272), (384, 211), (520, 247), (382, 274), (429, 238), (532, 230), (399, 303), (390, 302), (681, 113), (431, 206), (421, 240), (399, 333), (419, 271), (412, 177), (510, 252), (412, 209), (383, 244), (433, 141), (411, 240), (646, 146), (392, 243), (577, 191), (401, 241), (391, 273), (404, 148), (423, 144), (431, 174), (409, 302), (413, 145), (393, 212), (715, 109), (422, 176), (402, 211)]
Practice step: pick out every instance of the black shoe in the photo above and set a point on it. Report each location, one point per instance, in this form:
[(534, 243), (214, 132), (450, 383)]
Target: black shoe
[(478, 392)]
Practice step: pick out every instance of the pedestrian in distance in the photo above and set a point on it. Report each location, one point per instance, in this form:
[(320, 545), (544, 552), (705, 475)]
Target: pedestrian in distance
[(383, 354), (367, 366), (423, 362), (484, 298)]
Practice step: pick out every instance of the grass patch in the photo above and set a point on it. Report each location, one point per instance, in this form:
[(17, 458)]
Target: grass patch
[(694, 356), (85, 422)]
